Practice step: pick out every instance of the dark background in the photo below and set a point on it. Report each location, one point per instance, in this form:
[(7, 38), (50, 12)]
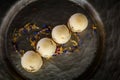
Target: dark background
[(109, 11)]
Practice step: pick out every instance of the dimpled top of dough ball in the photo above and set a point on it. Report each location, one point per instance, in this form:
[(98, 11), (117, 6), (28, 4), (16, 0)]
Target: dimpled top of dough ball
[(78, 22), (46, 47), (61, 34), (31, 61)]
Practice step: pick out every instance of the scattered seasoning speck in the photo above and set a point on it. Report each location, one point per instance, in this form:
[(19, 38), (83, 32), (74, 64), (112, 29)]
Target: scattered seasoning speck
[(35, 36), (44, 26), (94, 29), (25, 31), (35, 32)]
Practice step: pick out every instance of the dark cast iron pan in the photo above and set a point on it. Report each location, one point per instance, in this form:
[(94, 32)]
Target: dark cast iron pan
[(47, 11)]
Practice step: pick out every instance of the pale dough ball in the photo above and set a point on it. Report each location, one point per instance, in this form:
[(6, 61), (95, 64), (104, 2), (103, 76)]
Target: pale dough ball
[(78, 22), (46, 47), (61, 34), (31, 61)]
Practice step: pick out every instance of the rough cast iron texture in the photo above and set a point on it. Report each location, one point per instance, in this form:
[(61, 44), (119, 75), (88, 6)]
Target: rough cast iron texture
[(109, 11)]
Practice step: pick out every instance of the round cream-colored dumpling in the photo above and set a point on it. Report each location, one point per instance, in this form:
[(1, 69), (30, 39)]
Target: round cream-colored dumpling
[(78, 22), (61, 34), (31, 61), (46, 47)]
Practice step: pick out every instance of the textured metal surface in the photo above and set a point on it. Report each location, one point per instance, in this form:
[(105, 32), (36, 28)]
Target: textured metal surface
[(109, 11), (109, 70)]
